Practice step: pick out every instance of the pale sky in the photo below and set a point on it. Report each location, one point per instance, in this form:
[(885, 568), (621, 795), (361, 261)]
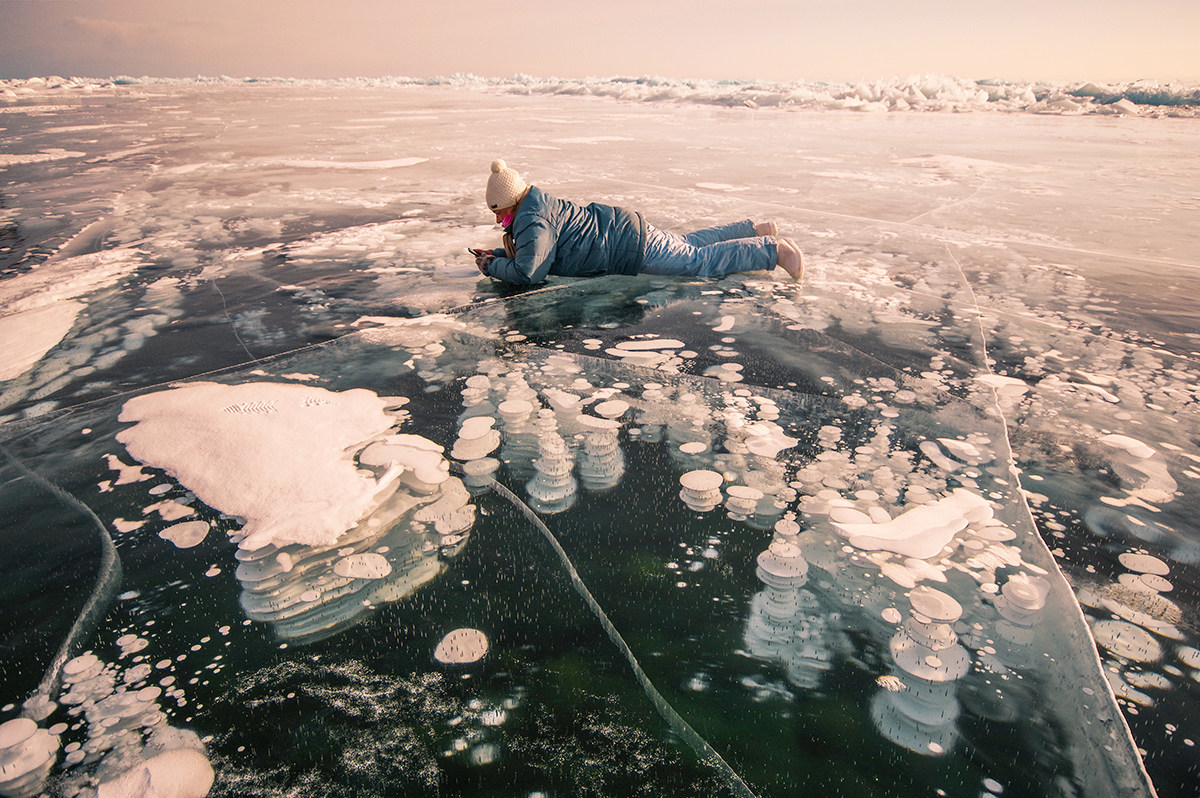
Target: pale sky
[(785, 40)]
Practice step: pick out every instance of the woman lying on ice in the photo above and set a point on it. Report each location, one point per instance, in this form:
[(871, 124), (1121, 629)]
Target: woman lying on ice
[(545, 235)]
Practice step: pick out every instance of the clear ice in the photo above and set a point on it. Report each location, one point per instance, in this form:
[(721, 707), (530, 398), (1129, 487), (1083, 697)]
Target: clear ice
[(926, 520)]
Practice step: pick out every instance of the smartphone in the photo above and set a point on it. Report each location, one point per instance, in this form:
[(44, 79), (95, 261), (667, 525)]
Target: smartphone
[(479, 253)]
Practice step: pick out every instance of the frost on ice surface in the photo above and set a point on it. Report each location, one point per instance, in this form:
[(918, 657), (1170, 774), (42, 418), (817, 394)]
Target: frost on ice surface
[(937, 503)]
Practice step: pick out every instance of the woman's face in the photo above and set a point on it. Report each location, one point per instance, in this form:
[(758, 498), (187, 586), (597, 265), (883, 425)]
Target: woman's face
[(503, 214)]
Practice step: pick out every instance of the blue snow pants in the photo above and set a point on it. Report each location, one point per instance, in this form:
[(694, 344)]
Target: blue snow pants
[(712, 252)]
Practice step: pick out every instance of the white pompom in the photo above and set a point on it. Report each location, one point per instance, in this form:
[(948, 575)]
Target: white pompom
[(498, 165)]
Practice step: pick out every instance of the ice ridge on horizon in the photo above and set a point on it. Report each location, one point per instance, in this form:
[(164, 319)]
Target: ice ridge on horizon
[(913, 93)]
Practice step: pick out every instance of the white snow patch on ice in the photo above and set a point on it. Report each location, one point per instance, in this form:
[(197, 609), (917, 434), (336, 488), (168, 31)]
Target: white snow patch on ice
[(7, 159), (27, 336), (367, 166), (591, 139), (289, 473)]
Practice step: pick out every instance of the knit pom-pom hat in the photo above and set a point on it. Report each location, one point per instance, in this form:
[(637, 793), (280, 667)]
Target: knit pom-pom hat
[(504, 186)]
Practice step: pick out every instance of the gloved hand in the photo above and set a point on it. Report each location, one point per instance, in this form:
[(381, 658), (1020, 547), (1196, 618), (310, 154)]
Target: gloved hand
[(482, 258)]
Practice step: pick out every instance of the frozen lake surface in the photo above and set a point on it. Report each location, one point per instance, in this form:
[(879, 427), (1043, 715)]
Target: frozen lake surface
[(924, 525)]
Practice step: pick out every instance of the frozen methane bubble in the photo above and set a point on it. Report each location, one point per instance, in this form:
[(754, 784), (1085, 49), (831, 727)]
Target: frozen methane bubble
[(701, 490), (275, 454), (922, 531), (477, 474), (85, 666), (922, 717), (1127, 641), (651, 344), (767, 440), (187, 534), (421, 459), (701, 481), (934, 604), (613, 408), (601, 463), (27, 753), (742, 501), (1144, 564), (514, 410), (787, 623), (1022, 598), (786, 530), (1155, 583), (462, 646), (783, 565), (363, 566), (476, 439), (934, 452), (552, 488)]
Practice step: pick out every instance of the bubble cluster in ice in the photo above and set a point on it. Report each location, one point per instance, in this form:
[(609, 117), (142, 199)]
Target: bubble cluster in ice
[(921, 717), (27, 754), (130, 744), (788, 623), (1135, 627)]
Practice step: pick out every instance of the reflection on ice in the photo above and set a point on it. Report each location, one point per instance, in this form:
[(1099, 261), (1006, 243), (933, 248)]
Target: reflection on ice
[(788, 623)]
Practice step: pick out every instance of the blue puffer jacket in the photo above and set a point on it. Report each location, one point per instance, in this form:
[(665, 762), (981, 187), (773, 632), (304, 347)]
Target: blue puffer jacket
[(554, 236)]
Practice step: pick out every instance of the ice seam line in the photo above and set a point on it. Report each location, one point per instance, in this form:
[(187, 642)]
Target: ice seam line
[(681, 727)]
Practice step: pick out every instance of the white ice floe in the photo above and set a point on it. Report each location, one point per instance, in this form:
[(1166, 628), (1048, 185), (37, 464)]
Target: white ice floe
[(40, 307), (67, 278), (591, 139), (126, 474), (898, 94), (51, 154)]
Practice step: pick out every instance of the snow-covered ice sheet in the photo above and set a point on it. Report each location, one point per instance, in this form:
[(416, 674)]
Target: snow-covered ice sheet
[(852, 530)]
